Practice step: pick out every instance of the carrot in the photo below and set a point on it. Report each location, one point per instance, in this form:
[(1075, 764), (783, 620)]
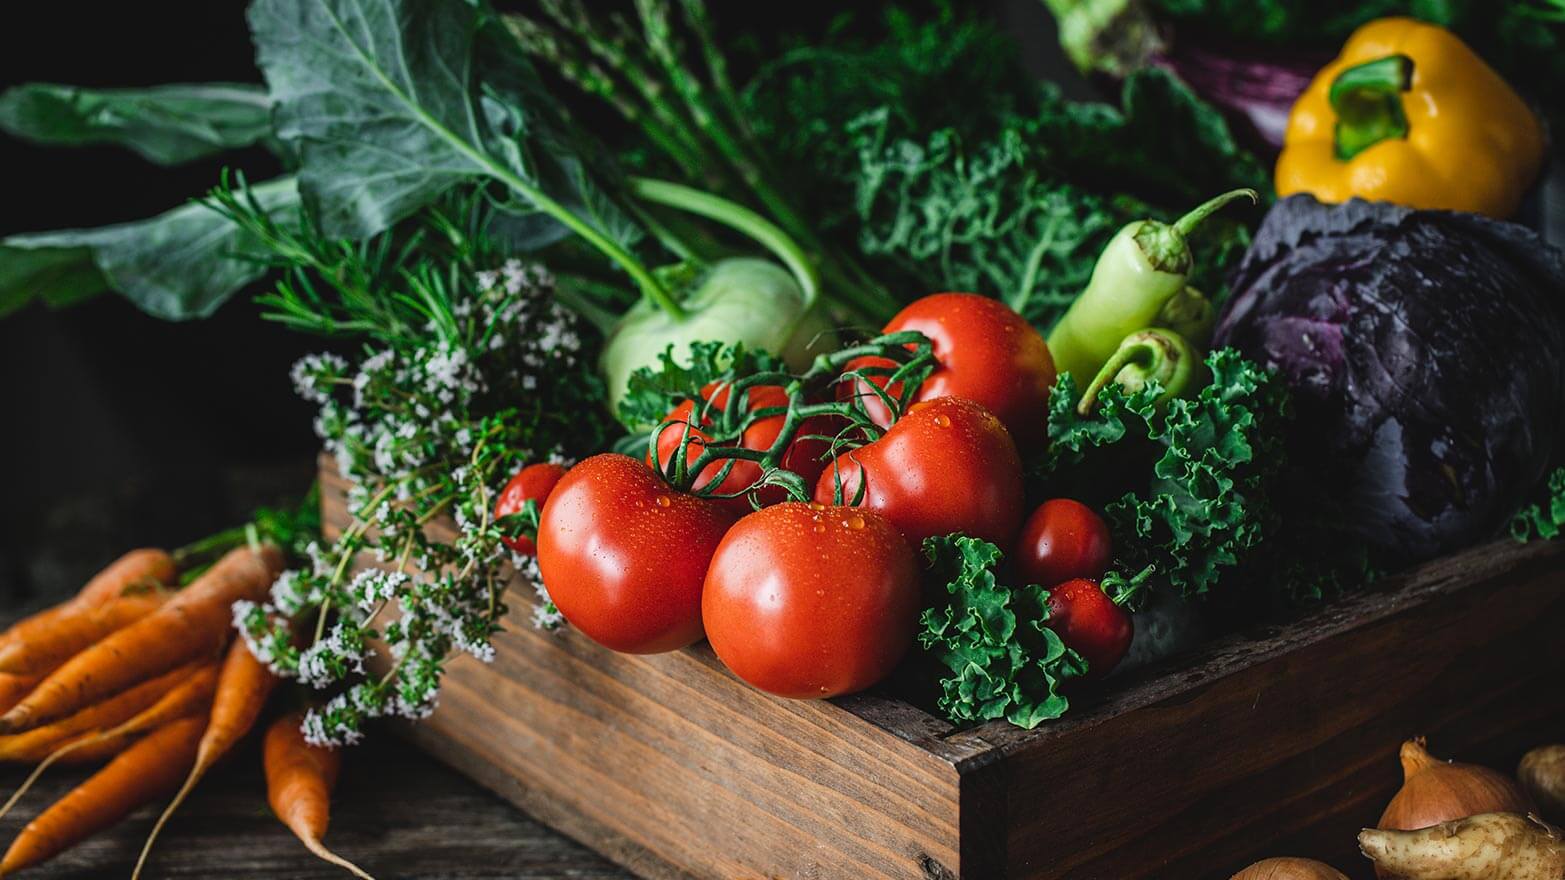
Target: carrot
[(136, 568), (70, 634), (14, 687), (191, 696), (36, 744), (142, 773), (242, 688), (299, 780), (194, 622)]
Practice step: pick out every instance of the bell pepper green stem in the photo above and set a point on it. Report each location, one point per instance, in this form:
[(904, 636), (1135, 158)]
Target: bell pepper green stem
[(738, 218), (1154, 355), (1367, 99)]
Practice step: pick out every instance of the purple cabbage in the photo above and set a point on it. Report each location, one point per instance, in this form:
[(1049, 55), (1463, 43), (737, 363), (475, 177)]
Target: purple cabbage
[(1426, 355), (1255, 90)]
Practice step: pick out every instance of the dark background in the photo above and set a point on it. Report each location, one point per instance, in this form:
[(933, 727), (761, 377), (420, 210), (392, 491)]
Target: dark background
[(118, 429)]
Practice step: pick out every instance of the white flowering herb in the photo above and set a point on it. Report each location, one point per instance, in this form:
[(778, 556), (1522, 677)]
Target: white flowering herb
[(467, 367)]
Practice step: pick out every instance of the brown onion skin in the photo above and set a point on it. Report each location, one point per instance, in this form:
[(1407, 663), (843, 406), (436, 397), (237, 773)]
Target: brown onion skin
[(1542, 775), (1289, 869), (1435, 791)]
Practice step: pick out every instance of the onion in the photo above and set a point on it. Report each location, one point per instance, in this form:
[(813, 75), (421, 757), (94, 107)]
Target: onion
[(1435, 791), (1542, 775), (1289, 869)]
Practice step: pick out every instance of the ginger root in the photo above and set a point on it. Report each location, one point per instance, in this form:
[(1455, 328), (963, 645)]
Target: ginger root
[(1490, 846)]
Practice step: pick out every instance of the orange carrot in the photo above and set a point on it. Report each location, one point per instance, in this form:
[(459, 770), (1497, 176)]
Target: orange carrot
[(242, 688), (299, 780), (134, 569), (192, 696), (144, 772), (70, 634), (14, 687), (191, 624), (36, 744)]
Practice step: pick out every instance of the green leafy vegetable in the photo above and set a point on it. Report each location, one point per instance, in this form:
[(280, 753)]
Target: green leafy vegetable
[(1544, 518), (178, 265), (1004, 662), (164, 124)]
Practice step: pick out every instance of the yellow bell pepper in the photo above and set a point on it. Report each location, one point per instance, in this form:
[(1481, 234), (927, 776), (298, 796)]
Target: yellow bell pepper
[(1409, 114)]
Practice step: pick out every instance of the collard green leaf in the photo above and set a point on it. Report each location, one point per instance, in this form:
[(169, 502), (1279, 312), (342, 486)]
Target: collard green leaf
[(178, 265), (164, 124), (1004, 662)]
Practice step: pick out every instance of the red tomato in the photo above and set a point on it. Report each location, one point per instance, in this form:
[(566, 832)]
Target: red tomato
[(805, 457), (811, 600), (1090, 623), (988, 354), (623, 555), (946, 466), (1063, 539), (532, 483)]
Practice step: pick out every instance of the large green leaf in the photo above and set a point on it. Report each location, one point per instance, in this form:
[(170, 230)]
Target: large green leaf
[(393, 102), (164, 124), (178, 265)]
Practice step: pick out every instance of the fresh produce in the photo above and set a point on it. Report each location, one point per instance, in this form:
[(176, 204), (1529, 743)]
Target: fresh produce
[(946, 466), (192, 624), (13, 688), (1003, 659), (1062, 540), (1384, 322), (689, 427), (145, 771), (1144, 266), (243, 684), (1435, 791), (69, 634), (1090, 623), (624, 555), (1409, 114), (1289, 869), (1146, 356), (532, 483), (38, 743), (811, 601), (986, 354), (1490, 846), (64, 624), (1542, 775), (1545, 517), (299, 781)]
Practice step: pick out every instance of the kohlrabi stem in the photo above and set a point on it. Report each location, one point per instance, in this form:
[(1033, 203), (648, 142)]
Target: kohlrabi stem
[(739, 218)]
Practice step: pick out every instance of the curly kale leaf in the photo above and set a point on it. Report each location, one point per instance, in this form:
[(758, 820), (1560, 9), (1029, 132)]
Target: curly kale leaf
[(1205, 502), (1544, 518), (652, 392), (1004, 661)]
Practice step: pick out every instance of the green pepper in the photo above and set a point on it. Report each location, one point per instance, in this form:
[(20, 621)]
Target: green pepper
[(1156, 354), (1190, 314), (1141, 269)]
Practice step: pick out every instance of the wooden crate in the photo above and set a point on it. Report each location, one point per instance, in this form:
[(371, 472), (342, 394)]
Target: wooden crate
[(1271, 742)]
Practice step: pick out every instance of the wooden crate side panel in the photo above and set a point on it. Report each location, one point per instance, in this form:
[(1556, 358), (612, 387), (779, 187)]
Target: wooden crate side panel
[(1199, 782), (674, 768)]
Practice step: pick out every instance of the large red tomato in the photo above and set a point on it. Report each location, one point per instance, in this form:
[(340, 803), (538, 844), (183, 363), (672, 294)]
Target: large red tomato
[(988, 354), (805, 456), (946, 466), (811, 600), (623, 555), (1061, 540), (532, 483)]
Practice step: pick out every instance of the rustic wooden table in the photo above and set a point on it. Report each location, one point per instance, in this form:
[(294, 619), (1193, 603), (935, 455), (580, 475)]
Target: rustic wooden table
[(397, 812)]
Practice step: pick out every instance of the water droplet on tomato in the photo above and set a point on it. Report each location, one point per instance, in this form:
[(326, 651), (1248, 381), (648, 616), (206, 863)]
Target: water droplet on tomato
[(664, 501), (854, 522), (942, 421), (820, 527)]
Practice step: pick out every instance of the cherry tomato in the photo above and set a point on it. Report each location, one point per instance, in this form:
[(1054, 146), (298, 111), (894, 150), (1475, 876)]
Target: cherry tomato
[(623, 555), (946, 466), (811, 600), (1089, 622), (1063, 539), (805, 456), (988, 354), (532, 483)]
